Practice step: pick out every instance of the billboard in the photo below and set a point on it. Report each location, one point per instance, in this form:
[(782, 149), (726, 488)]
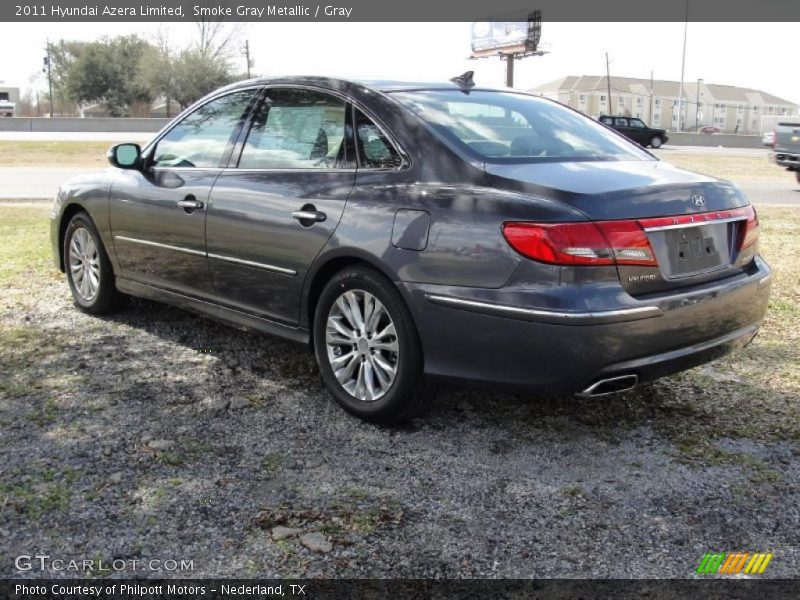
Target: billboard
[(493, 37)]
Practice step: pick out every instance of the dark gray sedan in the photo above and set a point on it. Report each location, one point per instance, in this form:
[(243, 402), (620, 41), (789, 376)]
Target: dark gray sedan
[(414, 232)]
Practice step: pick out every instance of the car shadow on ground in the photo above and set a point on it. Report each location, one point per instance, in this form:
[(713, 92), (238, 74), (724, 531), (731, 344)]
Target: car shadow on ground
[(292, 366)]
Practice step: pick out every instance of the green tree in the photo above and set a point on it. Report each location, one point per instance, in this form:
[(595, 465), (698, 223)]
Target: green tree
[(195, 75), (102, 72)]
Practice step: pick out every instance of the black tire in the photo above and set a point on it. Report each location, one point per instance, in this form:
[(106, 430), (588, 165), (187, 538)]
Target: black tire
[(797, 176), (106, 298), (409, 394), (656, 141)]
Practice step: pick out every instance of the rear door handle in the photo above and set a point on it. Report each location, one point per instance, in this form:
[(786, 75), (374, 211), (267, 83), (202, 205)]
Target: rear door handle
[(190, 204), (314, 216)]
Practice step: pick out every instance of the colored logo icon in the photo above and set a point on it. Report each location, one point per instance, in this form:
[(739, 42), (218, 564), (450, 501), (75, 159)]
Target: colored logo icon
[(732, 563)]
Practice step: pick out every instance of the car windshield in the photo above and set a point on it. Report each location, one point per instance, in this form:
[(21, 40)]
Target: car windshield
[(507, 127)]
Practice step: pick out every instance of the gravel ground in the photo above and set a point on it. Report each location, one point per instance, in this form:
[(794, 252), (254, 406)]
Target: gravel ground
[(156, 434)]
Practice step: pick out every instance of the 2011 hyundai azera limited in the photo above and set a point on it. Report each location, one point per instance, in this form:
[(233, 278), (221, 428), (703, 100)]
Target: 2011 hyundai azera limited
[(416, 232)]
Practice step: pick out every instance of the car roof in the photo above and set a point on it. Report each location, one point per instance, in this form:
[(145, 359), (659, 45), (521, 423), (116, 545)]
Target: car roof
[(381, 85)]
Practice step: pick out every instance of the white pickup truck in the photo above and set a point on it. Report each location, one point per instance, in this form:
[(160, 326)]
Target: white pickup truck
[(7, 108), (786, 147)]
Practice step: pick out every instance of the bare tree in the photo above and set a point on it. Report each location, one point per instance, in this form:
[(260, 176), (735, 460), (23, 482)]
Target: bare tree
[(217, 40)]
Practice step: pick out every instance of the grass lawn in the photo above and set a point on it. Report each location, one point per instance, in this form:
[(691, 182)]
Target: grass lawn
[(53, 154), (25, 252), (728, 167), (700, 460)]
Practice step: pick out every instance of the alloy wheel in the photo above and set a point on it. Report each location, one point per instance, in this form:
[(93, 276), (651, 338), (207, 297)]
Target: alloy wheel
[(362, 345), (84, 264)]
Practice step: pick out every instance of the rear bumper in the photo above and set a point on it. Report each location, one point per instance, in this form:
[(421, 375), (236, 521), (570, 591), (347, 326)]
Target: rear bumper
[(556, 352)]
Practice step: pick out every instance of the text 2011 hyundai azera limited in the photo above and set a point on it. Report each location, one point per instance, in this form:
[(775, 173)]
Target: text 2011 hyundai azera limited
[(411, 232)]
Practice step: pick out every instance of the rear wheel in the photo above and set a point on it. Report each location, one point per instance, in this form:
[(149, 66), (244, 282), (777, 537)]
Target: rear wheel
[(368, 349), (656, 141), (89, 272)]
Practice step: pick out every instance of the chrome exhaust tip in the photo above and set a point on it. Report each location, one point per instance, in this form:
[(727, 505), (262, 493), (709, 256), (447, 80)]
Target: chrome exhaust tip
[(612, 385)]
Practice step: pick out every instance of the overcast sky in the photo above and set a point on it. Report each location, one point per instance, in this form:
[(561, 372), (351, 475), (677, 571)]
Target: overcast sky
[(744, 54)]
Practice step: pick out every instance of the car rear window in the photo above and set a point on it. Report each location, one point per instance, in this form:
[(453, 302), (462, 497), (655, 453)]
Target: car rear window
[(509, 127)]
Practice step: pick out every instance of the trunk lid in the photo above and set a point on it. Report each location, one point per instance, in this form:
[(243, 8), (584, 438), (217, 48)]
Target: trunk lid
[(694, 223)]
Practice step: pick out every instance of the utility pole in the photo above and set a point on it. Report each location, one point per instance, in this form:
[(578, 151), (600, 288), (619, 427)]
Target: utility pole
[(247, 56), (608, 83), (683, 65), (650, 114), (47, 62), (697, 108)]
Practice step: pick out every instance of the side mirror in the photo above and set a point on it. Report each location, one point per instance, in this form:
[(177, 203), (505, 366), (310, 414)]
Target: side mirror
[(125, 156)]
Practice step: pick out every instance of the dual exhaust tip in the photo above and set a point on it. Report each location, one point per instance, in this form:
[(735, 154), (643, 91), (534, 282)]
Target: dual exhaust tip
[(611, 385)]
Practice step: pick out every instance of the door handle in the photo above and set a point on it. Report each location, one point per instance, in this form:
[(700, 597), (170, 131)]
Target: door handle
[(190, 204), (309, 215)]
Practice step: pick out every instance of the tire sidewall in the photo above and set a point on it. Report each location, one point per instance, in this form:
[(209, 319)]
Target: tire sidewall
[(656, 141), (105, 294), (409, 365)]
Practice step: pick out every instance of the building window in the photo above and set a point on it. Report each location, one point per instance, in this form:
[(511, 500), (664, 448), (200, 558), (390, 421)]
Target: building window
[(621, 101), (582, 97), (639, 101), (656, 119), (658, 101)]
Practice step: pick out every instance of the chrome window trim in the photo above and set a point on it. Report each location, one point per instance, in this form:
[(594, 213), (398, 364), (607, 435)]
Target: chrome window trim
[(533, 314), (124, 238), (230, 259), (695, 224), (301, 170), (407, 162)]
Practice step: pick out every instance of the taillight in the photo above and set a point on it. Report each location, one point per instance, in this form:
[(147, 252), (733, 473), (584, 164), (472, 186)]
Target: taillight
[(597, 243), (748, 232)]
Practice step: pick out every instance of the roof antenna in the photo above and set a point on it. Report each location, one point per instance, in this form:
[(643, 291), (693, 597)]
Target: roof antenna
[(464, 80)]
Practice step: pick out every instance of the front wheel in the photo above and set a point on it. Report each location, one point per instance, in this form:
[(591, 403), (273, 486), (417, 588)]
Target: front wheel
[(368, 349), (656, 141), (89, 272)]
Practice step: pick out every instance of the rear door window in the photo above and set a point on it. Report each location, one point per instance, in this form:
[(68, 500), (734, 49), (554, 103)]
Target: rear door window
[(296, 128)]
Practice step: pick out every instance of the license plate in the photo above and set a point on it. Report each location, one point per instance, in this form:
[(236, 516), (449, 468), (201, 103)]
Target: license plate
[(696, 249)]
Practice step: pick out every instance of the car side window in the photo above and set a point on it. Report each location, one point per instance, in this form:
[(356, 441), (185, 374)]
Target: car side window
[(374, 149), (621, 122), (296, 128), (637, 124), (201, 138), (607, 120)]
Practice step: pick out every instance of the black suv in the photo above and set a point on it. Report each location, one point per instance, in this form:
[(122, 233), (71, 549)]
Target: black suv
[(637, 130)]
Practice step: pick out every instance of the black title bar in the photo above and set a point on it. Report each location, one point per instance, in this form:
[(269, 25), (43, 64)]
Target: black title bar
[(529, 589), (401, 10)]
